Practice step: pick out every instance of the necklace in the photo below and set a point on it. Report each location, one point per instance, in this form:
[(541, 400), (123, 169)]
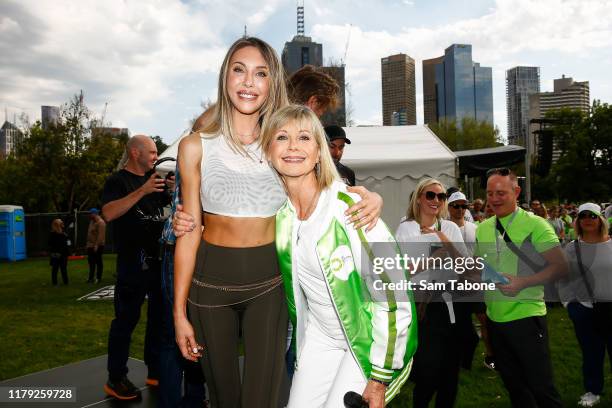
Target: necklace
[(253, 152), (313, 200)]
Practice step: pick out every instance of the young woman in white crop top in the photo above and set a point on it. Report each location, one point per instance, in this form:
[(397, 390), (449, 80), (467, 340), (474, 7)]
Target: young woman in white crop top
[(227, 276)]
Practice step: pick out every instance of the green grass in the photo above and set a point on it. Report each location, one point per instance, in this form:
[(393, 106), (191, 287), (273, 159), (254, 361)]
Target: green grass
[(42, 326)]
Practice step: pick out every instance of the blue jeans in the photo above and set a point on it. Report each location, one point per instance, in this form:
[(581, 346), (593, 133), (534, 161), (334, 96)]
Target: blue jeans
[(592, 345), (172, 363)]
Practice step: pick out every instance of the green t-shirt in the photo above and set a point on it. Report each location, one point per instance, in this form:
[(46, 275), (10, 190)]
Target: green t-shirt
[(533, 235)]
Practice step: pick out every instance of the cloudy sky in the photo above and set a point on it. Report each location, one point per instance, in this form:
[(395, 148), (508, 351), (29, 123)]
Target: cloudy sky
[(154, 62)]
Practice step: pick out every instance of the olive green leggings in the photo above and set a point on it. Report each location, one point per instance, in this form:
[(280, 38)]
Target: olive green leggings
[(259, 314)]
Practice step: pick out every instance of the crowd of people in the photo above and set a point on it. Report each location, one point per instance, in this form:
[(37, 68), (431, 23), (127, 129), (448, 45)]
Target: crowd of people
[(269, 246)]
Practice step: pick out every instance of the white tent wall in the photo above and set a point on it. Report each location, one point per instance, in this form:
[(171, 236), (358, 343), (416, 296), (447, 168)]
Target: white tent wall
[(389, 160)]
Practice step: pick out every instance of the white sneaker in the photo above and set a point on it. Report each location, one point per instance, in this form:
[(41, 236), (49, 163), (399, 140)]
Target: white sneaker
[(589, 400)]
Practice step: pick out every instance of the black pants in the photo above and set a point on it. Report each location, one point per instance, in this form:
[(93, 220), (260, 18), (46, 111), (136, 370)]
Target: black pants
[(137, 277), (438, 358), (60, 263), (94, 259), (523, 357), (263, 320)]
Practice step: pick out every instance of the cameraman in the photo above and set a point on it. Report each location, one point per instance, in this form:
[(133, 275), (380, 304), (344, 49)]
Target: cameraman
[(133, 199)]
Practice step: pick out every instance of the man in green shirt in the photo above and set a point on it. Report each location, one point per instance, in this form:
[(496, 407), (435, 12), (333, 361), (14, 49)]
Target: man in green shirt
[(517, 311)]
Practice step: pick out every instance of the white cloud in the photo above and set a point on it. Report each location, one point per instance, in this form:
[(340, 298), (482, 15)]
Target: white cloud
[(150, 57), (130, 53)]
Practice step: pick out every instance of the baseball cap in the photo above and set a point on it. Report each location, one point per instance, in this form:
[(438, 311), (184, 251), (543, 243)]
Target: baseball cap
[(334, 132), (456, 196), (594, 208), (94, 211)]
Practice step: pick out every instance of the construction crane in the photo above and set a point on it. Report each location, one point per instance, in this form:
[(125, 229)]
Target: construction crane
[(346, 47), (103, 114)]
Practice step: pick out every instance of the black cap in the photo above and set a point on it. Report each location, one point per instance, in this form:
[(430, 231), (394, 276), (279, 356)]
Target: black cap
[(334, 132)]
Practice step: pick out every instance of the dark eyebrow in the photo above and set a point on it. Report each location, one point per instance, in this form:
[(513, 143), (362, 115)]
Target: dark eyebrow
[(244, 65)]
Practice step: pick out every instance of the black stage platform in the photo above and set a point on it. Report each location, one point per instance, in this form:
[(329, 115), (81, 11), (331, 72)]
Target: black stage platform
[(88, 377)]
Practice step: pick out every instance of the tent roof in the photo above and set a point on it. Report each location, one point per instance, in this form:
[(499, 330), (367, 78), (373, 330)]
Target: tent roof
[(476, 162), (397, 151)]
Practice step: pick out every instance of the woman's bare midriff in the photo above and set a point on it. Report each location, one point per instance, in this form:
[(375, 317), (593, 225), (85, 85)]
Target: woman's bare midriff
[(245, 232)]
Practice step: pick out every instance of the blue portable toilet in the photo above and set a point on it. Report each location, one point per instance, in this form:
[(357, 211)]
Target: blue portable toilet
[(12, 233)]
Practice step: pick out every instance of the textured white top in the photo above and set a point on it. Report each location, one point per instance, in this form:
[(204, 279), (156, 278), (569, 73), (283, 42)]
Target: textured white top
[(310, 275), (238, 186)]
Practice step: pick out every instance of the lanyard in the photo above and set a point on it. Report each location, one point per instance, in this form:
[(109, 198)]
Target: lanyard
[(497, 243)]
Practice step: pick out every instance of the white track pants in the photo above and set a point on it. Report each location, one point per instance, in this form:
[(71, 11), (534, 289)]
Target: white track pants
[(326, 371)]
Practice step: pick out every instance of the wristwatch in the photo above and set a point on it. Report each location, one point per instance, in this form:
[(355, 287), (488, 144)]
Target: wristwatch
[(386, 384)]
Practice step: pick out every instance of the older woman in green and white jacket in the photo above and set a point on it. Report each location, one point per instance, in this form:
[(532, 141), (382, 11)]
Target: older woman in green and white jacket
[(351, 334)]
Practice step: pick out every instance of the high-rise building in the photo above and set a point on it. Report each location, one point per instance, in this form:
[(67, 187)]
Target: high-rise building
[(456, 87), (49, 116), (398, 88), (10, 136), (301, 51), (521, 82), (566, 94), (430, 89)]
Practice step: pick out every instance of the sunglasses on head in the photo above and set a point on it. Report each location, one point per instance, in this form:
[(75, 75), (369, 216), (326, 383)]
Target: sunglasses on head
[(587, 214), (430, 195), (500, 171), (458, 206)]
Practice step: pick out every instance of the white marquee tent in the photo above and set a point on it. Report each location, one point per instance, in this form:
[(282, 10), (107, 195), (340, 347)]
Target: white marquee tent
[(389, 160), (392, 159)]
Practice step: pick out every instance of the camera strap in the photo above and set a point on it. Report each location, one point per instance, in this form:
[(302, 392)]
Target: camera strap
[(535, 267)]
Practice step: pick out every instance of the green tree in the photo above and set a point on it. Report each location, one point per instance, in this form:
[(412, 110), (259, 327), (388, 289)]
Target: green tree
[(61, 168), (159, 143), (584, 168), (469, 134)]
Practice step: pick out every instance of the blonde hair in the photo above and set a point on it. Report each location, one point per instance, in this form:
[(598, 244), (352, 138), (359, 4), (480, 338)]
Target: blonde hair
[(327, 172), (603, 226), (414, 210), (56, 225), (221, 122)]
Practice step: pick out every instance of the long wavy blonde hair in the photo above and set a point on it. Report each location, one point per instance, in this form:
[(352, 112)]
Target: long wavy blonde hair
[(221, 122)]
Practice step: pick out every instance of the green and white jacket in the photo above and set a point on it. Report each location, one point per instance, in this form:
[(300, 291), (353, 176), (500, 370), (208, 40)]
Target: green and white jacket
[(378, 325)]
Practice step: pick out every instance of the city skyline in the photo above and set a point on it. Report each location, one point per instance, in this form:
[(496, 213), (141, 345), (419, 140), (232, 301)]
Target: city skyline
[(155, 65)]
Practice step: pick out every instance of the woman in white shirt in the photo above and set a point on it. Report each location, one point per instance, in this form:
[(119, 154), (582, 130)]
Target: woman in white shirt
[(585, 285), (350, 335), (441, 322)]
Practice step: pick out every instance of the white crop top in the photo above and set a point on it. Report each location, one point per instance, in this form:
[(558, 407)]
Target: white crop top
[(238, 186)]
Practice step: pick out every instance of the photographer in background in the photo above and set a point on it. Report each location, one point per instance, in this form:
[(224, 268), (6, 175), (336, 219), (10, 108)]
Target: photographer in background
[(133, 199)]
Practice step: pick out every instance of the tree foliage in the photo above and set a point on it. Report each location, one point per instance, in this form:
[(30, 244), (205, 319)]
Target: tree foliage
[(159, 143), (584, 168), (60, 168), (467, 135)]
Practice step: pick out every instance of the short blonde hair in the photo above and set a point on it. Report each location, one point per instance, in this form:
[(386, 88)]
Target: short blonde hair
[(414, 210), (327, 173)]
